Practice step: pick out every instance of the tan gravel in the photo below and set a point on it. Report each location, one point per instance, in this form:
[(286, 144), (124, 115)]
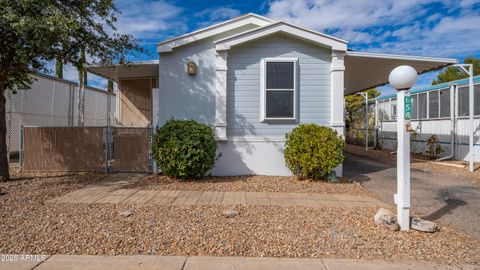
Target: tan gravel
[(28, 225), (256, 183)]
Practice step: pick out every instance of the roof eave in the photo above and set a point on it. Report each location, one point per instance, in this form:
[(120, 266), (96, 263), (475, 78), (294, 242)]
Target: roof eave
[(168, 45), (282, 27)]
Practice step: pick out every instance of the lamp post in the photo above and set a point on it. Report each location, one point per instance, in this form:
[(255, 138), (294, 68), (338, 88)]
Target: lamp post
[(403, 78)]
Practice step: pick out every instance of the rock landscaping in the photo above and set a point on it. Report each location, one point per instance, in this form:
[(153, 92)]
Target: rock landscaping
[(255, 183), (28, 225), (386, 218), (423, 225)]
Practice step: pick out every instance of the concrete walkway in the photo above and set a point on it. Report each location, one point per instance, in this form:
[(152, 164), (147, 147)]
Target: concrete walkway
[(84, 262), (116, 195)]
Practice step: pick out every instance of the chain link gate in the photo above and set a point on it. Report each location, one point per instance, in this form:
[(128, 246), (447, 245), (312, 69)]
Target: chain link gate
[(109, 149)]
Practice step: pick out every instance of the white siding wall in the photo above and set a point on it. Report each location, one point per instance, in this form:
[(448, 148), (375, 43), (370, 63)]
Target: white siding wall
[(243, 86), (190, 97)]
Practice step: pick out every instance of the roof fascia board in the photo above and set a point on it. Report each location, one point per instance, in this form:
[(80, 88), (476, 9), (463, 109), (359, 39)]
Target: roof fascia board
[(402, 57), (216, 29), (293, 30)]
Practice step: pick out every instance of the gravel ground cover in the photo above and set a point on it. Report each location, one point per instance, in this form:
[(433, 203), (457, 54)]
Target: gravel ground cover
[(28, 225), (417, 162), (256, 183)]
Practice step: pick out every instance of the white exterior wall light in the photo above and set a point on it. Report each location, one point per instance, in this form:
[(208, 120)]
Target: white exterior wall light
[(403, 78)]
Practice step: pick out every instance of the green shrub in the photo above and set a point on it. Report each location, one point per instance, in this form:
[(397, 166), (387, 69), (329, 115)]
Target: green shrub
[(312, 151), (184, 149)]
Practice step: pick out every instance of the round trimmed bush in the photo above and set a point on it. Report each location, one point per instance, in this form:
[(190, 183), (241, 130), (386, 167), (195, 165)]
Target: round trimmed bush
[(312, 151), (184, 149)]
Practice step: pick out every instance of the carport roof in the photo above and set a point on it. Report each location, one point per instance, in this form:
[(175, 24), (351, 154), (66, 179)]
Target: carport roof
[(367, 70), (140, 69)]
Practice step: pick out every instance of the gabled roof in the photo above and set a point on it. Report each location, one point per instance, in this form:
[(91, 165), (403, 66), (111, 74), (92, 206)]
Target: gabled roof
[(285, 28), (250, 18)]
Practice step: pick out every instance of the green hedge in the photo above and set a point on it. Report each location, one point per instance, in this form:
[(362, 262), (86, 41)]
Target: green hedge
[(312, 151), (184, 149)]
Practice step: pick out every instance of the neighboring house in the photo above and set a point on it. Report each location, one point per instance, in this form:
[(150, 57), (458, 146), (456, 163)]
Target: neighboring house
[(440, 110), (253, 79), (52, 101)]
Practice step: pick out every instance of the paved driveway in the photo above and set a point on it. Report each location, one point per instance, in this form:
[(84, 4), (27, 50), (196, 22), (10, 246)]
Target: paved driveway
[(450, 200)]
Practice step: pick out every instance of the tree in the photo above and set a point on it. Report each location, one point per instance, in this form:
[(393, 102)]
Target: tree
[(59, 68), (355, 106), (36, 32), (455, 73)]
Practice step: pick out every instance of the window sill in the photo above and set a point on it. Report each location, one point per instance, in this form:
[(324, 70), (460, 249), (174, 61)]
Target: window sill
[(279, 120)]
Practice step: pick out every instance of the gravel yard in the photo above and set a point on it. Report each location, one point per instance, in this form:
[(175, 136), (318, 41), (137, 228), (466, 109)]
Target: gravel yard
[(28, 225), (256, 183)]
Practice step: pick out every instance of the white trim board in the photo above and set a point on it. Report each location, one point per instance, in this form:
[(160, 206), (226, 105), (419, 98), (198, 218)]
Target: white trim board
[(263, 88), (286, 28), (250, 18), (401, 57)]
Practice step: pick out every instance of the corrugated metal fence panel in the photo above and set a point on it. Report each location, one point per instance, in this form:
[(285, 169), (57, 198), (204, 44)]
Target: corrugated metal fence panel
[(53, 102), (64, 149), (463, 129), (439, 127)]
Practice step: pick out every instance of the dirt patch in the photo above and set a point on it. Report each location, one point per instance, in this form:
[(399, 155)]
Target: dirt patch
[(256, 183), (418, 161)]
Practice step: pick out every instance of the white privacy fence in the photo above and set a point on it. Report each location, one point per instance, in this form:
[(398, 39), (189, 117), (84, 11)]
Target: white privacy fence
[(53, 102)]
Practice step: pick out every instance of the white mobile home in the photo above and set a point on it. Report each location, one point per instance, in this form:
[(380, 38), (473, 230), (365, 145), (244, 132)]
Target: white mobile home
[(253, 79), (440, 110)]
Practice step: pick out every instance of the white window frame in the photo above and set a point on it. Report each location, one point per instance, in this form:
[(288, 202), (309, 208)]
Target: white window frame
[(263, 90)]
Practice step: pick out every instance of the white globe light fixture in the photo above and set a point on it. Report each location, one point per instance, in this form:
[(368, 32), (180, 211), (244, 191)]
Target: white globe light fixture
[(403, 78)]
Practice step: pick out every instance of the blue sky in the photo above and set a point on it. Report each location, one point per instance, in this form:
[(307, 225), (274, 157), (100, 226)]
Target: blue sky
[(412, 27)]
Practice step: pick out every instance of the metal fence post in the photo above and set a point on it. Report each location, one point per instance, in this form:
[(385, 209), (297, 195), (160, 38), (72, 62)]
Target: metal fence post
[(150, 152), (107, 148), (20, 152)]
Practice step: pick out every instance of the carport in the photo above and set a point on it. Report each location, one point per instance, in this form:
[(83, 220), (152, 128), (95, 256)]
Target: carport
[(135, 83), (364, 70)]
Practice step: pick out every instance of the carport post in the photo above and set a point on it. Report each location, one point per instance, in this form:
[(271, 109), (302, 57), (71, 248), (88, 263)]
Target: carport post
[(471, 98), (403, 78)]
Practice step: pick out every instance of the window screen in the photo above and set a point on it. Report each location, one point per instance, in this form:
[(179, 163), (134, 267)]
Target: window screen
[(422, 105), (414, 107), (462, 101), (445, 103), (383, 115), (280, 89), (393, 108), (279, 104), (280, 75), (433, 101)]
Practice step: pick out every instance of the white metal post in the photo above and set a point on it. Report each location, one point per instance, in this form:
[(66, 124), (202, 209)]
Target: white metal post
[(470, 117), (470, 110), (402, 198)]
